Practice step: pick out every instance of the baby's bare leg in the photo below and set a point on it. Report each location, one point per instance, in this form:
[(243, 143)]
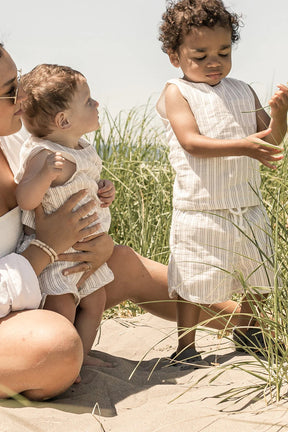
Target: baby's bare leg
[(88, 319), (63, 304)]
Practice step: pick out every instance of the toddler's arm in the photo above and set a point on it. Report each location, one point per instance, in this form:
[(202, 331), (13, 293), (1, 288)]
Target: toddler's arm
[(41, 171), (279, 106), (187, 132), (278, 120)]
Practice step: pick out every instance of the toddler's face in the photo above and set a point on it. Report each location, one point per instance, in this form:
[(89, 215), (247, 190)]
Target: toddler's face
[(204, 55), (83, 112)]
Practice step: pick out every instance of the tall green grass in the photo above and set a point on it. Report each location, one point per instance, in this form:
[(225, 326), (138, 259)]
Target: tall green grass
[(271, 369), (136, 159), (135, 156)]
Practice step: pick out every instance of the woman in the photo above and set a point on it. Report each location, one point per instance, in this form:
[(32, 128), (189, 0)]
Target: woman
[(41, 353)]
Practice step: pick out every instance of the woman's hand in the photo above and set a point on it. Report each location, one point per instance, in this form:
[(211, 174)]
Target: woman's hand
[(92, 254), (65, 227)]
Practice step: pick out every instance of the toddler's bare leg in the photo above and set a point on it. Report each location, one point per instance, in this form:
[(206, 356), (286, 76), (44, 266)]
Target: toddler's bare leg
[(247, 317), (88, 319), (188, 315)]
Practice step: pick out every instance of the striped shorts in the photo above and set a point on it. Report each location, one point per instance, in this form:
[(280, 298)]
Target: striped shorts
[(53, 282), (220, 252)]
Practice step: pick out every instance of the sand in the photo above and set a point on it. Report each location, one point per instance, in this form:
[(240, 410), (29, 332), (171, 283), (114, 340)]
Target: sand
[(149, 396)]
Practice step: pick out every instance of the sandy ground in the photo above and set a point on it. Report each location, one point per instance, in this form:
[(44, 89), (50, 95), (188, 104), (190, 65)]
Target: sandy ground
[(149, 396)]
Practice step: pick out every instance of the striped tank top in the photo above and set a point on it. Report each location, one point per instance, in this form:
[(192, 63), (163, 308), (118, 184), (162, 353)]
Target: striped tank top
[(225, 111)]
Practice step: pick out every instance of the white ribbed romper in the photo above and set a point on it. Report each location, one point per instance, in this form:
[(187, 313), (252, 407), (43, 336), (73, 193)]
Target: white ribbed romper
[(86, 176), (217, 212)]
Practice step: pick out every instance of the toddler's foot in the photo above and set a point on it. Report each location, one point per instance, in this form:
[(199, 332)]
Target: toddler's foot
[(188, 359), (94, 361), (253, 341)]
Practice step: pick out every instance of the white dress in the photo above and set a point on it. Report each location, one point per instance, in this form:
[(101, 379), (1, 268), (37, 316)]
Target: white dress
[(19, 288), (218, 222), (87, 174)]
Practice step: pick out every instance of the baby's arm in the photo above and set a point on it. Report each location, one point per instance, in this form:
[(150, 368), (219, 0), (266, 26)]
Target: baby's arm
[(41, 171), (106, 192), (187, 132)]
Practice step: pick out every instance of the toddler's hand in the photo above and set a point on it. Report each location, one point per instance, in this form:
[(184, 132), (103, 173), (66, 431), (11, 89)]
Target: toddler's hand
[(261, 150), (279, 102), (54, 165), (106, 192)]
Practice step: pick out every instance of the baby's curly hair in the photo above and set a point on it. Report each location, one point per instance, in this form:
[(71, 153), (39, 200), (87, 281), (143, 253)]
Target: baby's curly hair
[(181, 16), (49, 89)]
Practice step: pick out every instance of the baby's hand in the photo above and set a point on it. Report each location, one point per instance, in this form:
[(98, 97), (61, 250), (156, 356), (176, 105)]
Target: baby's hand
[(106, 192), (279, 102), (261, 150), (53, 165)]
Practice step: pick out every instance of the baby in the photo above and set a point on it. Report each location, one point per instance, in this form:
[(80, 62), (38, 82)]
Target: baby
[(56, 162)]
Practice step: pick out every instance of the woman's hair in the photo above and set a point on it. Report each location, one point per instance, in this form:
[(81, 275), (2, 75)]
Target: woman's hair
[(49, 89), (180, 17)]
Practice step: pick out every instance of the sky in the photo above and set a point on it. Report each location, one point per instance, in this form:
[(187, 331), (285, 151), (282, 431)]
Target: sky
[(115, 44)]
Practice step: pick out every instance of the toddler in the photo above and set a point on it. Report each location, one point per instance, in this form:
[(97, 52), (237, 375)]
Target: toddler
[(56, 162), (217, 133)]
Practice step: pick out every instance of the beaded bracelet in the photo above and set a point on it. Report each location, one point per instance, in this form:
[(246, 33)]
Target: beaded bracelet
[(47, 249)]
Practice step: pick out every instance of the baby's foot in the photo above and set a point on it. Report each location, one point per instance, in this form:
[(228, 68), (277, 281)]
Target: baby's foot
[(94, 361), (78, 379)]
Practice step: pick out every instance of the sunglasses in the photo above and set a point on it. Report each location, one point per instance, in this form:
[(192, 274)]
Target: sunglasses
[(14, 90)]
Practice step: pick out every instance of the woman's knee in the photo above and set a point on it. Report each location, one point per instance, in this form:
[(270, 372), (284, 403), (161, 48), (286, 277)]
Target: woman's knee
[(125, 262), (47, 354), (51, 356), (123, 252), (56, 335), (59, 352)]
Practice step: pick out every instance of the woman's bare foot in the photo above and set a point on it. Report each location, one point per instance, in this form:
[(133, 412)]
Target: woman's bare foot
[(94, 361)]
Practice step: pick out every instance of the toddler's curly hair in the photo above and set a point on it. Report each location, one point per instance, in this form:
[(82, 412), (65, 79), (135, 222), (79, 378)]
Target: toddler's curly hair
[(49, 89), (181, 16)]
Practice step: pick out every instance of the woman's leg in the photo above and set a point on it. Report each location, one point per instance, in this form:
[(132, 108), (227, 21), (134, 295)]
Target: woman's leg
[(140, 280), (144, 282), (41, 354)]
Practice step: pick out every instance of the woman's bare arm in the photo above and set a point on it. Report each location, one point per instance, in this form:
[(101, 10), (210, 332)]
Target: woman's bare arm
[(61, 229)]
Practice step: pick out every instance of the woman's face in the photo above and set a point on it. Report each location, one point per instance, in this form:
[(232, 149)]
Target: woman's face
[(10, 113)]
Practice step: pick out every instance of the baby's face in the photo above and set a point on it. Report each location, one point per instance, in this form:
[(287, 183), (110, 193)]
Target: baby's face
[(204, 55), (83, 113)]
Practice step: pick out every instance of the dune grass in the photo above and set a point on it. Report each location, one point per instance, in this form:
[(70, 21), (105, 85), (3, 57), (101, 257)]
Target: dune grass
[(135, 156), (136, 160)]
